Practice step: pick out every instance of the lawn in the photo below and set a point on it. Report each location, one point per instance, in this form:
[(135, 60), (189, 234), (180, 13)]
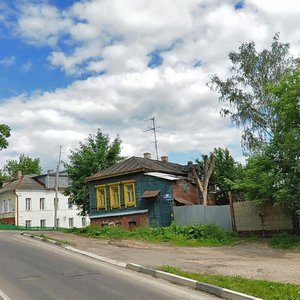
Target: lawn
[(264, 289)]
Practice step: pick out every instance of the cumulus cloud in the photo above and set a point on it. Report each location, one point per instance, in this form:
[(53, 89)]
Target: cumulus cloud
[(110, 42)]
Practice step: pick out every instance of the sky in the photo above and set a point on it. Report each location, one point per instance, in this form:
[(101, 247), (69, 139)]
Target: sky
[(70, 67)]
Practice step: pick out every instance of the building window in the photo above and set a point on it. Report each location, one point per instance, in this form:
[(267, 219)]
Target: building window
[(5, 206), (101, 197), (70, 203), (28, 204), (57, 222), (114, 191), (71, 222), (83, 221), (28, 223), (42, 203), (129, 193), (43, 223)]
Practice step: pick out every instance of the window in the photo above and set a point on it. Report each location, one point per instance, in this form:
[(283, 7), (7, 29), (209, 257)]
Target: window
[(129, 193), (114, 191), (28, 223), (70, 203), (101, 197), (43, 223), (28, 204), (83, 221), (71, 222), (42, 203), (5, 206)]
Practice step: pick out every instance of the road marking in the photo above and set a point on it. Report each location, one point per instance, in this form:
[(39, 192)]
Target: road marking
[(4, 296)]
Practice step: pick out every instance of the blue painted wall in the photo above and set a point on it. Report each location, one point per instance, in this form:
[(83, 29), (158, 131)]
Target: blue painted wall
[(159, 208)]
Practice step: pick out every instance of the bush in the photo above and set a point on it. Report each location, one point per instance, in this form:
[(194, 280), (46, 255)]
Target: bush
[(174, 233)]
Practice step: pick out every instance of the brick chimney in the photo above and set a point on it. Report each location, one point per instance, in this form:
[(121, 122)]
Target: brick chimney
[(147, 155), (165, 158)]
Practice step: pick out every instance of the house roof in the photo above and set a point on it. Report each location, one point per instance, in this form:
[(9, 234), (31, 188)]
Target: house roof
[(151, 194), (138, 164), (25, 182)]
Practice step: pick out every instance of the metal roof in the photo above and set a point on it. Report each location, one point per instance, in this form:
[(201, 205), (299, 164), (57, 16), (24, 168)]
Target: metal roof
[(138, 164), (162, 175), (25, 182), (150, 194)]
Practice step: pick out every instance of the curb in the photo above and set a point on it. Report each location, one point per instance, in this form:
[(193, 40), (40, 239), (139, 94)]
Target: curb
[(201, 286)]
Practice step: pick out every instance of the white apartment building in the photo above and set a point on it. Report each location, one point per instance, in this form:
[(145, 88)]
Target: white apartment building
[(29, 201)]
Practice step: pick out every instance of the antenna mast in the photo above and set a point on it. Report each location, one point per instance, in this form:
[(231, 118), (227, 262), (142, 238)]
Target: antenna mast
[(153, 128)]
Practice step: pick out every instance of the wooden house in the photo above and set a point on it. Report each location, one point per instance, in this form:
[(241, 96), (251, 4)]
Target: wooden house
[(139, 192)]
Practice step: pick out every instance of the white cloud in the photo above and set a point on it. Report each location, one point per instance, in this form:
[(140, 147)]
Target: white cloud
[(8, 61), (116, 37)]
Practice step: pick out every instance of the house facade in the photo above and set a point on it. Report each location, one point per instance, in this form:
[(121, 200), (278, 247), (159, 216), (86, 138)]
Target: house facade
[(29, 201), (140, 192)]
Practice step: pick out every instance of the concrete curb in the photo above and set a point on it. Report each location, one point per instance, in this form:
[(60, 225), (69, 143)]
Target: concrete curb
[(201, 286)]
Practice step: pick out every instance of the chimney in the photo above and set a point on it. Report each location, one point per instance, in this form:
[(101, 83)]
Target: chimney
[(147, 155), (165, 158), (19, 174)]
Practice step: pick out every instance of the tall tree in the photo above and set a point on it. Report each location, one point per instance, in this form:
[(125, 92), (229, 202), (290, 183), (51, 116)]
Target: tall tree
[(25, 164), (95, 154), (4, 134), (273, 175), (247, 98)]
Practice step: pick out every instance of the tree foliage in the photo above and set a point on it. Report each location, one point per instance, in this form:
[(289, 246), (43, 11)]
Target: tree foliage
[(95, 154), (273, 175), (4, 134), (248, 101), (226, 171), (25, 164)]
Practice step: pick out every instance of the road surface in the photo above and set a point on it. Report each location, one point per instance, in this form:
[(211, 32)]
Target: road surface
[(34, 270)]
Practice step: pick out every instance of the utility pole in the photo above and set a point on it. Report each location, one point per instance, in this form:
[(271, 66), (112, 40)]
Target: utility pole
[(56, 190), (153, 128)]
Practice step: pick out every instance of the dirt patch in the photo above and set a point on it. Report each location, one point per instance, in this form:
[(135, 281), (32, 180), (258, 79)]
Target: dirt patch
[(251, 260)]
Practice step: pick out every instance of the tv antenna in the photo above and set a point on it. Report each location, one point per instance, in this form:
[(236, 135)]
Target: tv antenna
[(153, 128)]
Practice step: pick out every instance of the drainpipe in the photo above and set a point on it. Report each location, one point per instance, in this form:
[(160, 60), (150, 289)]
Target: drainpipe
[(17, 207)]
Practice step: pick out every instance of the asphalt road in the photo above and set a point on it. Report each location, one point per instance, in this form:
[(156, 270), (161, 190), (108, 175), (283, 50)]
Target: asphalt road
[(34, 270)]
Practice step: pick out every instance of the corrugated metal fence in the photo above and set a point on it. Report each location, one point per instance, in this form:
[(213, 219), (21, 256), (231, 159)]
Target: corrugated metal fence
[(200, 214)]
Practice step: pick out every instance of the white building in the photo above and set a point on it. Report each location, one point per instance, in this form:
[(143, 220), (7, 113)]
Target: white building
[(29, 201)]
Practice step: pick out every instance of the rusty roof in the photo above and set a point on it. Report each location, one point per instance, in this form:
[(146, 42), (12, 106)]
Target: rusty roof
[(25, 182), (136, 164)]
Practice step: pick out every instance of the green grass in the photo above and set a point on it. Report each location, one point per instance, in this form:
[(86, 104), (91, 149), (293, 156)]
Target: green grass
[(285, 241), (264, 289), (191, 235), (186, 236)]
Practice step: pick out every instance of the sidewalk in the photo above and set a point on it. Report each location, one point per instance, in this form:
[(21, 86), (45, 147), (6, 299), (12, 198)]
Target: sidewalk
[(251, 260)]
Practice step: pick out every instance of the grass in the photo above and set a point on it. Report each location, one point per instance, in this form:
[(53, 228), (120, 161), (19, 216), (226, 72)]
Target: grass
[(186, 236), (264, 289), (65, 242), (190, 235), (285, 241)]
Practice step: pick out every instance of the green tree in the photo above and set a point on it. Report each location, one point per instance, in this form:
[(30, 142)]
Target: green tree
[(4, 134), (225, 172), (249, 103), (25, 164), (273, 175), (95, 154), (285, 144)]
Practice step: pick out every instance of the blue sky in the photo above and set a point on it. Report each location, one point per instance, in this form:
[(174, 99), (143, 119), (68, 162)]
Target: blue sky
[(68, 68)]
